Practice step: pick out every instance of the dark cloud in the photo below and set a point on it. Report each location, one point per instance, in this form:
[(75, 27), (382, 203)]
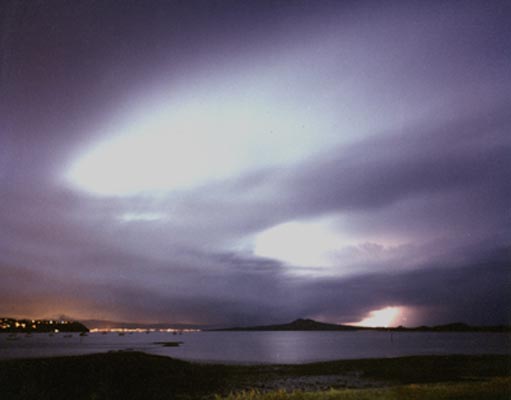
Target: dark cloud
[(475, 292), (447, 178), (421, 159)]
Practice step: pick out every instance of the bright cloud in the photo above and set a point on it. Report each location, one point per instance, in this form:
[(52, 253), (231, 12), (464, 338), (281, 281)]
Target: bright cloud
[(300, 243), (145, 216), (194, 141), (383, 318), (321, 244)]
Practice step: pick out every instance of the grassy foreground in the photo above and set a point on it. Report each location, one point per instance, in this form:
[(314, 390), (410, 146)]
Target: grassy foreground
[(493, 389), (132, 375)]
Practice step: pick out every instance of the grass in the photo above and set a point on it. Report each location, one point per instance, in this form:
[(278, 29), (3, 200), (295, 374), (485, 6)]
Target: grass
[(415, 369), (132, 375), (494, 389)]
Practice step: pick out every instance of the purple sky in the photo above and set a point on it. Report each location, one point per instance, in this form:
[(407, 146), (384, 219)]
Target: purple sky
[(229, 163)]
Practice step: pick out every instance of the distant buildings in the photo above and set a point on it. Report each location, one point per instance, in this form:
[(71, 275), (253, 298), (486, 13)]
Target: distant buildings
[(40, 325)]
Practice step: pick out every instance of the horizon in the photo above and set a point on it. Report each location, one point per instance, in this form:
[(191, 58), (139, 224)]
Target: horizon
[(234, 163), (100, 325)]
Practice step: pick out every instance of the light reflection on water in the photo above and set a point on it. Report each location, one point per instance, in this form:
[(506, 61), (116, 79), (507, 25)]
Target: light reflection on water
[(262, 347)]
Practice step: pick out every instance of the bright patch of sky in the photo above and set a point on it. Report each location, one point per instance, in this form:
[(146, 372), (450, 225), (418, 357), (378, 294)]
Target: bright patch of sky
[(319, 247), (298, 243), (223, 123), (146, 216), (193, 143), (383, 318)]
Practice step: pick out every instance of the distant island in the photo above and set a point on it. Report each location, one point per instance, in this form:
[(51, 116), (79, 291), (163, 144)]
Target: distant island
[(311, 325), (297, 325), (12, 325)]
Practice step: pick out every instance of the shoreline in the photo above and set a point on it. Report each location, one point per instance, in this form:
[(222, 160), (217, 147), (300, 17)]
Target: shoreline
[(137, 375)]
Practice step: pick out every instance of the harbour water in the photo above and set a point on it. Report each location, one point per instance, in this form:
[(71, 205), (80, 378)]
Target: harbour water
[(260, 347)]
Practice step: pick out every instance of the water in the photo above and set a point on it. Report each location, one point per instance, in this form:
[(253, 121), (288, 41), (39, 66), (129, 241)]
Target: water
[(262, 347)]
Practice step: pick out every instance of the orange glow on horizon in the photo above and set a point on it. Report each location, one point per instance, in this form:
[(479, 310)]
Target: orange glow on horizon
[(382, 318)]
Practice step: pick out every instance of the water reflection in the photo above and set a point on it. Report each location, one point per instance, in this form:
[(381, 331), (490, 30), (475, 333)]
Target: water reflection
[(261, 347)]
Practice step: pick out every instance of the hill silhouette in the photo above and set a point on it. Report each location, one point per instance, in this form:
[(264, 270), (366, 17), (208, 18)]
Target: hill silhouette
[(302, 324), (297, 325)]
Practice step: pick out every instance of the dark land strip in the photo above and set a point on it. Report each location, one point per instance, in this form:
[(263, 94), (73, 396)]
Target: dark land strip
[(133, 375)]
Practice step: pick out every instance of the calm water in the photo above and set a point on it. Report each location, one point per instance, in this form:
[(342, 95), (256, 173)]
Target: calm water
[(263, 347)]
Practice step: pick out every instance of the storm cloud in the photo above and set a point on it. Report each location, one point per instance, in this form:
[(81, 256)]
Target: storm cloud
[(231, 163)]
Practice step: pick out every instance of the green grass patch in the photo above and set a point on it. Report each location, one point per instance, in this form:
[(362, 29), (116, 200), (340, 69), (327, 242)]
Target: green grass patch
[(133, 376), (493, 389)]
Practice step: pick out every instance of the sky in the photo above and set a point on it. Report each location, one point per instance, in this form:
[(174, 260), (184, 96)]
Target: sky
[(227, 163)]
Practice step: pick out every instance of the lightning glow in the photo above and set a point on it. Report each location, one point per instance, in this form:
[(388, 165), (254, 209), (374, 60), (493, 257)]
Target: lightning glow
[(195, 142), (299, 243), (225, 125), (382, 318)]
